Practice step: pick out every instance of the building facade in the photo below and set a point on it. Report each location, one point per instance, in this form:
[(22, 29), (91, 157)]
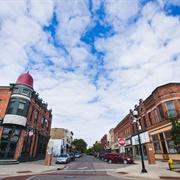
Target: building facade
[(153, 118), (26, 121), (64, 136), (106, 142)]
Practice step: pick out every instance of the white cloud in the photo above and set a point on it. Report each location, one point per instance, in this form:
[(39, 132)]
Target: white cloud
[(89, 94)]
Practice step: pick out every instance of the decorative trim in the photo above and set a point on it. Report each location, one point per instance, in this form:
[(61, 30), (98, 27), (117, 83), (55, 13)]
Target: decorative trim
[(15, 119)]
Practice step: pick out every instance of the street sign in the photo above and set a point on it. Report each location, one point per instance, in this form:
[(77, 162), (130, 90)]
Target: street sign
[(122, 141)]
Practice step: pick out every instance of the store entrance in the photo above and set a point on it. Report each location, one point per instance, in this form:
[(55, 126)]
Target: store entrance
[(8, 142)]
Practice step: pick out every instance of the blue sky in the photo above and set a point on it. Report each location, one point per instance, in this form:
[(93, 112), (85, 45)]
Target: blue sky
[(91, 60)]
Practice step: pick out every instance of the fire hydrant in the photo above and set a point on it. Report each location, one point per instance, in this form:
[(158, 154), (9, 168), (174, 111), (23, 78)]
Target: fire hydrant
[(171, 164)]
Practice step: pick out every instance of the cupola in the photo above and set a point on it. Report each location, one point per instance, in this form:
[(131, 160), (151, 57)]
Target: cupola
[(25, 79)]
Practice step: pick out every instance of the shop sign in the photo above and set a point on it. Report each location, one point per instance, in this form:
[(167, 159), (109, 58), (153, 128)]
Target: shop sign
[(144, 137)]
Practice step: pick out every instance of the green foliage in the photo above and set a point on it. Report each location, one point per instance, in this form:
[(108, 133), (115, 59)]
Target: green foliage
[(97, 147), (80, 145), (90, 150), (175, 132)]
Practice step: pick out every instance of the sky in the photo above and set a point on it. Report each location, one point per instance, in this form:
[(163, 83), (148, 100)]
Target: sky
[(91, 60)]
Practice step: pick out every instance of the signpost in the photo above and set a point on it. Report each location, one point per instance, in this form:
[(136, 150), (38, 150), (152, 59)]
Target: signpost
[(122, 143)]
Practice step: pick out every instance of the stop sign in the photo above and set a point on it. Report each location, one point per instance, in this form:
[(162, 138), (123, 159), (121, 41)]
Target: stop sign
[(122, 141)]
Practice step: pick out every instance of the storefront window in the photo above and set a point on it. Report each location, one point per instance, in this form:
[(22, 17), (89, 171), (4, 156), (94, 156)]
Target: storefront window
[(170, 144), (167, 134), (157, 147), (155, 137)]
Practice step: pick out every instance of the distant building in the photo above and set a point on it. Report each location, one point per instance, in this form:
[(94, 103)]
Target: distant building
[(106, 142), (25, 121), (64, 137)]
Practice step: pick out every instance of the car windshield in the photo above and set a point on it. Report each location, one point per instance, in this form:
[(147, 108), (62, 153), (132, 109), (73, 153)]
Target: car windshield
[(63, 155)]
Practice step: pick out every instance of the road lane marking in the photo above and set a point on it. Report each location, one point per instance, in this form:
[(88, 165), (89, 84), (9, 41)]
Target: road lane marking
[(82, 168)]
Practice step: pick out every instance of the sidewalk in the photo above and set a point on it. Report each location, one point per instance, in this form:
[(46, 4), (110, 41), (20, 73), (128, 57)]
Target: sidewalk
[(160, 170), (28, 168)]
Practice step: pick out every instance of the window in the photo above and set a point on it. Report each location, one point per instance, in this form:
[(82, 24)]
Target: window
[(179, 101), (11, 106), (157, 147), (161, 112), (171, 108), (144, 119), (15, 90), (42, 122), (156, 115), (155, 137), (0, 101), (167, 134), (150, 118), (25, 91), (170, 144), (36, 117), (32, 113), (21, 107), (27, 143)]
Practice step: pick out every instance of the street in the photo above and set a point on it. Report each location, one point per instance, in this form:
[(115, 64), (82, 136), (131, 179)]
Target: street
[(86, 167)]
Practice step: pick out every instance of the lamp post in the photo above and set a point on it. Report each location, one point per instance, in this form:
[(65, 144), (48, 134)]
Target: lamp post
[(135, 113)]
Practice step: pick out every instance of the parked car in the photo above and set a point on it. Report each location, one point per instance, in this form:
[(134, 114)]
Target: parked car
[(63, 158), (116, 157), (72, 155), (101, 155), (96, 154), (78, 154)]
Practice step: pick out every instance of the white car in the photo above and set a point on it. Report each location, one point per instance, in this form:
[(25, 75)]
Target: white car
[(77, 155), (63, 158)]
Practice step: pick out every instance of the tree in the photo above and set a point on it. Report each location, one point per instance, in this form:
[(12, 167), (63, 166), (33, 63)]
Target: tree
[(80, 145), (175, 132), (97, 147)]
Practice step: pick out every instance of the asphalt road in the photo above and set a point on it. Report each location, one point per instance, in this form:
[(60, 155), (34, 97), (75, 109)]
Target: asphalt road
[(86, 167)]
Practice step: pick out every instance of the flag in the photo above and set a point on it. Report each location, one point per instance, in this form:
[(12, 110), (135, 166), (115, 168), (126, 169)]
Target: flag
[(30, 133)]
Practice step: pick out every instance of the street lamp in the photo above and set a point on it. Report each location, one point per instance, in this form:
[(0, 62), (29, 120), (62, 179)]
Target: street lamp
[(136, 120)]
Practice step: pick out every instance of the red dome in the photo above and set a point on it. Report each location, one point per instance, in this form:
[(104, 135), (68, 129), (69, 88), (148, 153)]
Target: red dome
[(25, 79)]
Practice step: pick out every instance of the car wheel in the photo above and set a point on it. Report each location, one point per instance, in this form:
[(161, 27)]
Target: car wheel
[(125, 161), (110, 161)]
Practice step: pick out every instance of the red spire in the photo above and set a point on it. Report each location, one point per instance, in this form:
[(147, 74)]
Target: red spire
[(25, 79)]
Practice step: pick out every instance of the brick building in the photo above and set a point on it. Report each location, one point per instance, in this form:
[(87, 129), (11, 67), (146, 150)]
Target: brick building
[(153, 114), (106, 142), (25, 121)]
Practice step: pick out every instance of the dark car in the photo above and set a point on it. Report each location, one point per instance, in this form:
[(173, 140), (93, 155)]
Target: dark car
[(101, 155), (72, 155), (116, 157)]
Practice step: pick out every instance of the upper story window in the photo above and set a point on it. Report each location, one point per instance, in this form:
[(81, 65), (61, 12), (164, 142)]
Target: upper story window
[(156, 115), (32, 113), (25, 91), (150, 118), (11, 106), (161, 112), (0, 101), (171, 108), (144, 120), (15, 90), (21, 107), (36, 117), (47, 126), (179, 101), (42, 122)]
